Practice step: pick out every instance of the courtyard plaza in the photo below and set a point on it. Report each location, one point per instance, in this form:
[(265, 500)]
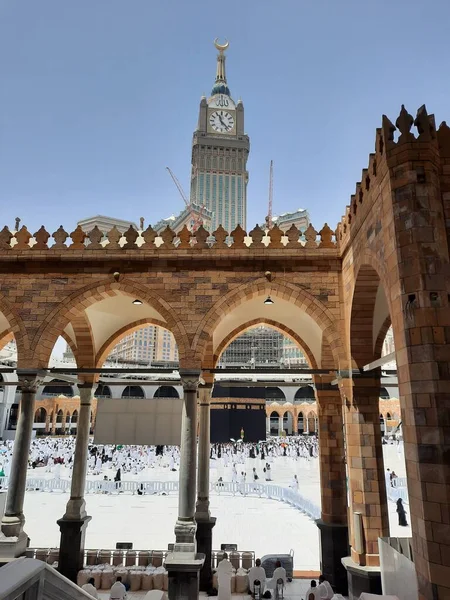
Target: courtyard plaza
[(259, 524)]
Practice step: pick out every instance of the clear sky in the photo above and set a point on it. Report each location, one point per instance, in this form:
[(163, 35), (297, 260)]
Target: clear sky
[(98, 96)]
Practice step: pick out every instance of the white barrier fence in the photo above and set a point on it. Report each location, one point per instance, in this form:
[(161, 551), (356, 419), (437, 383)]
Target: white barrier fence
[(397, 489), (260, 490)]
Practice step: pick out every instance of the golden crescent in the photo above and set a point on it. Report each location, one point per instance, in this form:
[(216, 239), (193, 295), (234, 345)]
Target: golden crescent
[(221, 47)]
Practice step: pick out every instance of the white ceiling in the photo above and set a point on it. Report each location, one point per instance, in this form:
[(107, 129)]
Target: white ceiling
[(112, 314)]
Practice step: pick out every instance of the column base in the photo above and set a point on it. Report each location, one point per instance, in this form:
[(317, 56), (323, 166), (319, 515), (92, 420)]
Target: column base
[(71, 547), (204, 546), (361, 579), (13, 547), (184, 576), (334, 547)]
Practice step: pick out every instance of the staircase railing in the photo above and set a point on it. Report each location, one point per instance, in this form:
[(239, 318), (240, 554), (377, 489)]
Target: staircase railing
[(29, 579)]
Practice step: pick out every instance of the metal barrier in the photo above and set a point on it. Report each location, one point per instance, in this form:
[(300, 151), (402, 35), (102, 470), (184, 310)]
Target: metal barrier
[(260, 490), (398, 489)]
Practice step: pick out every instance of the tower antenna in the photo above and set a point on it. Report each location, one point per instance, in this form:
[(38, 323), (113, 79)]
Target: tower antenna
[(269, 212)]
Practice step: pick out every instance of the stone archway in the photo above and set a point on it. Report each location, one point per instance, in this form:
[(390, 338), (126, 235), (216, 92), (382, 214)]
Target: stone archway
[(89, 298), (274, 422), (369, 315), (317, 320), (282, 328)]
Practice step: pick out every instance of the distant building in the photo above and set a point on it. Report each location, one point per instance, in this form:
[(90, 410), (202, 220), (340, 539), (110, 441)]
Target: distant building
[(146, 345), (299, 218), (105, 224), (262, 346), (292, 355), (187, 217), (388, 344)]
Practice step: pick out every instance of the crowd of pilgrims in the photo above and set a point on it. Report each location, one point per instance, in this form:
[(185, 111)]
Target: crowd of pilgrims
[(50, 454)]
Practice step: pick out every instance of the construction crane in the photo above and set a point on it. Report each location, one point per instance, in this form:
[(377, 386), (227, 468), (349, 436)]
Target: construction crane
[(269, 212), (196, 219)]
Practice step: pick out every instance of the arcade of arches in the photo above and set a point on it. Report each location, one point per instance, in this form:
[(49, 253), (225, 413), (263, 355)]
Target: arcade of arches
[(334, 293)]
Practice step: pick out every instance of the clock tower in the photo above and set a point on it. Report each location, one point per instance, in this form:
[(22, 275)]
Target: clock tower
[(219, 154)]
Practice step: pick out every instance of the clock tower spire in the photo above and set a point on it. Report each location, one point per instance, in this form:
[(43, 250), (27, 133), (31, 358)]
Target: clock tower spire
[(220, 86), (220, 151)]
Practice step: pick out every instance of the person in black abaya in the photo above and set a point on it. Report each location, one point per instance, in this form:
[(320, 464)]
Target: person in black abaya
[(401, 513)]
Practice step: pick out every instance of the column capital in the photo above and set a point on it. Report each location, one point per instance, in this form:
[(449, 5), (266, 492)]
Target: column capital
[(29, 381), (190, 379)]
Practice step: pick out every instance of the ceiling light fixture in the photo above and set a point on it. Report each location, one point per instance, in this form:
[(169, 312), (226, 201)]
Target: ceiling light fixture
[(137, 302), (268, 301)]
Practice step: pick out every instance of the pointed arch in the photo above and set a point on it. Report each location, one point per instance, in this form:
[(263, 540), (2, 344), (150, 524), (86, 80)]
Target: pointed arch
[(297, 296), (114, 339), (81, 299), (17, 328), (275, 325)]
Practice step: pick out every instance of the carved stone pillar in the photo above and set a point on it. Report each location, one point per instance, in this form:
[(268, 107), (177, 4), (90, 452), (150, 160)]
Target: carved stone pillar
[(185, 526), (74, 522), (184, 564), (205, 522), (13, 519), (367, 491)]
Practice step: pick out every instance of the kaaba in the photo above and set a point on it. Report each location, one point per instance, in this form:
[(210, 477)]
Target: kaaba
[(234, 410)]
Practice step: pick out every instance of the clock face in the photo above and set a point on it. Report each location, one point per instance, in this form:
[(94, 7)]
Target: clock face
[(221, 121)]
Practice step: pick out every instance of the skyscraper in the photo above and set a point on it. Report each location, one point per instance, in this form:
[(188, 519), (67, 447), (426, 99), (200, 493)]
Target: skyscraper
[(220, 151)]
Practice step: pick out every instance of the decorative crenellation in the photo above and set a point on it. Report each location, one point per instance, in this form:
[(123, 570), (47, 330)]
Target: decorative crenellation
[(168, 239), (388, 137)]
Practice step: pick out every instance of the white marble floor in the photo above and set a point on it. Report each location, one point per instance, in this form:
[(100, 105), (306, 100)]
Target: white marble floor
[(265, 526)]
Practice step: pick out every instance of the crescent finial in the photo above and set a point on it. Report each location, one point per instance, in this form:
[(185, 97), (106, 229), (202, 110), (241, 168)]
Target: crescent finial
[(221, 47)]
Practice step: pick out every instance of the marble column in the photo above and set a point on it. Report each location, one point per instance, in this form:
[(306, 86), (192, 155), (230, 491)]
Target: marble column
[(184, 563), (13, 519), (185, 526), (267, 425), (74, 522), (205, 522)]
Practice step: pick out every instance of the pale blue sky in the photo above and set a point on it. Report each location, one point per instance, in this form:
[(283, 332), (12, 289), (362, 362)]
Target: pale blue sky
[(98, 96)]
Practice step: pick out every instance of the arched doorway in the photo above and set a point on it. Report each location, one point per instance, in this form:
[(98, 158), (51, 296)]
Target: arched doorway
[(274, 423), (40, 418), (73, 422), (58, 388), (103, 391), (274, 394), (133, 391), (287, 423), (67, 427), (166, 391), (59, 429), (305, 394), (382, 425), (300, 423)]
